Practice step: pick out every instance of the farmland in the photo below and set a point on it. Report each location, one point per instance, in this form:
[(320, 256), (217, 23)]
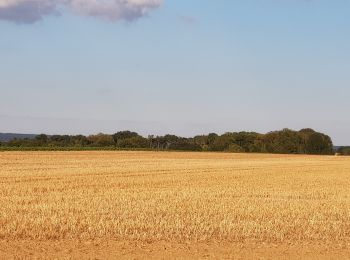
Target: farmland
[(180, 204)]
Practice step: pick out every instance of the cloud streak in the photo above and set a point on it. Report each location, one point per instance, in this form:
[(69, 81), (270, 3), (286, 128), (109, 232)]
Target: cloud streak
[(188, 19), (30, 11)]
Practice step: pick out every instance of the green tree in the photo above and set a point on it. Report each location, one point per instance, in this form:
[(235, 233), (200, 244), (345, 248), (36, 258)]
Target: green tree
[(101, 140), (124, 135), (235, 148), (344, 150), (319, 144), (41, 140), (285, 142), (133, 142)]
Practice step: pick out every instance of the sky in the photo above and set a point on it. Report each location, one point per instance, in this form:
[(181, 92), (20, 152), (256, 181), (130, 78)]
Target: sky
[(175, 66)]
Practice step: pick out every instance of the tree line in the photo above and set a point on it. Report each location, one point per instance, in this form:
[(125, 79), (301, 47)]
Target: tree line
[(345, 150), (286, 141)]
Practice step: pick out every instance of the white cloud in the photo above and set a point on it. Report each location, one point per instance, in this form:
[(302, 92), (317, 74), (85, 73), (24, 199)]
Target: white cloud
[(29, 11), (115, 9), (26, 11)]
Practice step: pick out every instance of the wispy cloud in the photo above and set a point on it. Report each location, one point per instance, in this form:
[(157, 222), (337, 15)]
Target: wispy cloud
[(30, 11), (188, 19)]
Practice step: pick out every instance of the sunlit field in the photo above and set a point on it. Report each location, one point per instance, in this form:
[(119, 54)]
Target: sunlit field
[(168, 198)]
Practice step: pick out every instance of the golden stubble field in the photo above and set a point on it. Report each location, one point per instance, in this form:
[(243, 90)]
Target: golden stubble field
[(167, 204)]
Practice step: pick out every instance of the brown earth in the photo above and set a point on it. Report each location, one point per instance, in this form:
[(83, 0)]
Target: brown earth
[(101, 249)]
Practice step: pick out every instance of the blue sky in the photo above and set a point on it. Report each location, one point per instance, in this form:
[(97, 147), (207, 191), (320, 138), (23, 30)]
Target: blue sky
[(182, 67)]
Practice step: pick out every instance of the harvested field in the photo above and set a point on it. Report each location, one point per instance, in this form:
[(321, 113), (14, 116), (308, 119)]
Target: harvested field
[(131, 204)]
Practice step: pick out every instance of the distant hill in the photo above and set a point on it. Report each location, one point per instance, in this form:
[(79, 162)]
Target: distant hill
[(336, 148), (5, 137)]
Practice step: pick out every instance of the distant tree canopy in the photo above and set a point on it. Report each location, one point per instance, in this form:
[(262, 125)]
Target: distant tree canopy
[(344, 150), (286, 141)]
